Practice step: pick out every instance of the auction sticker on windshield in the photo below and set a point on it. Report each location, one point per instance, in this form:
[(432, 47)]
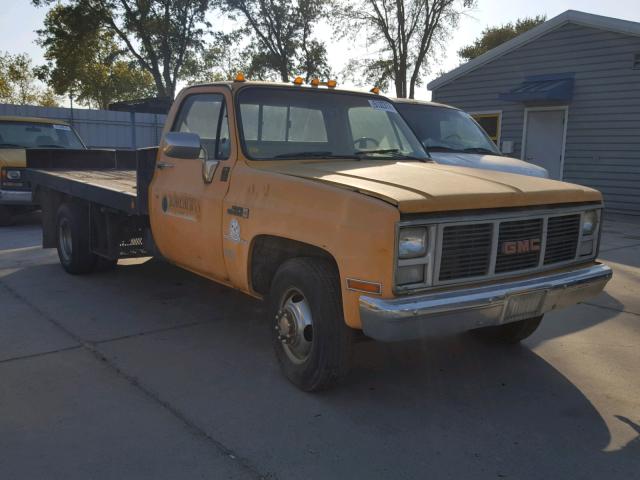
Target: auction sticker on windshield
[(66, 128), (382, 105)]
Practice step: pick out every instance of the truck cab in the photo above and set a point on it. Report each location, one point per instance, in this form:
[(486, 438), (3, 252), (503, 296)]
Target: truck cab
[(16, 135), (325, 204)]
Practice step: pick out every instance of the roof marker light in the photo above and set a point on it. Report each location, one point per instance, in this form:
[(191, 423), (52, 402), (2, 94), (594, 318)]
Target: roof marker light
[(298, 81), (315, 82), (239, 77), (375, 90), (332, 83)]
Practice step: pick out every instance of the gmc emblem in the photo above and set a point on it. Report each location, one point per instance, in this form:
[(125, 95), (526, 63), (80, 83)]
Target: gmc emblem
[(521, 246)]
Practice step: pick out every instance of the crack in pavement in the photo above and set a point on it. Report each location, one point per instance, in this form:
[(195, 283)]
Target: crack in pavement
[(610, 308), (39, 354), (148, 332), (133, 381)]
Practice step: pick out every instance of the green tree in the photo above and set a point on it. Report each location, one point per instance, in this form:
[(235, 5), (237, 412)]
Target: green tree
[(97, 74), (281, 36), (403, 34), (491, 37), (160, 35), (19, 84)]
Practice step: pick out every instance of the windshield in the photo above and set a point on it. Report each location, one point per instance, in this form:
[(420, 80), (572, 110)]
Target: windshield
[(447, 129), (15, 134), (278, 123)]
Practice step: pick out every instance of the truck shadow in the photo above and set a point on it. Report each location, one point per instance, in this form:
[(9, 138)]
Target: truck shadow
[(454, 407)]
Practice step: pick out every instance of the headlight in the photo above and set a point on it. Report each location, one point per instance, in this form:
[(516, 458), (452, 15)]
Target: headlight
[(412, 242), (13, 175), (589, 223)]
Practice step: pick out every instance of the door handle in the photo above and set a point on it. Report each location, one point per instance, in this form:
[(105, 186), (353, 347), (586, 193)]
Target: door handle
[(163, 165)]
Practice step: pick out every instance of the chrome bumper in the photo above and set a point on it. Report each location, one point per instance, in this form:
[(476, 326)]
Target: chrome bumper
[(16, 197), (456, 311)]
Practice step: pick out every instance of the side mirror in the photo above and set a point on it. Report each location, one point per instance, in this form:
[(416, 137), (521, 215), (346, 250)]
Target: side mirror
[(182, 145)]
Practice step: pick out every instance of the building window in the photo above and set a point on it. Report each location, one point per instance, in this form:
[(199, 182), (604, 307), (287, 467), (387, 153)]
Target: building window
[(491, 123)]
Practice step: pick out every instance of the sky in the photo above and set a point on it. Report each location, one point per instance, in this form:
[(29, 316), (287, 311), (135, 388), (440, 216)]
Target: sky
[(19, 20)]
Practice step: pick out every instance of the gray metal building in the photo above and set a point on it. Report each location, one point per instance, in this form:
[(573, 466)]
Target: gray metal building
[(564, 95)]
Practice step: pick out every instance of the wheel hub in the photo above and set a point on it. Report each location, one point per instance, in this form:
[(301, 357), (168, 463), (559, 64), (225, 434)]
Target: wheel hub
[(294, 326)]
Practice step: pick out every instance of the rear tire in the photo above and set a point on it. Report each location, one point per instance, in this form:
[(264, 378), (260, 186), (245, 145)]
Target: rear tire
[(510, 333), (312, 343), (6, 216), (73, 239)]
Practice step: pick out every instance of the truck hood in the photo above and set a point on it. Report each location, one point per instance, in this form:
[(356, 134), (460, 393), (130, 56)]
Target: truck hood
[(416, 187), (13, 157), (490, 162)]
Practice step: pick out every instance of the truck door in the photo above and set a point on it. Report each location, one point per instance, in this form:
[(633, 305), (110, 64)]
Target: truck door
[(186, 194)]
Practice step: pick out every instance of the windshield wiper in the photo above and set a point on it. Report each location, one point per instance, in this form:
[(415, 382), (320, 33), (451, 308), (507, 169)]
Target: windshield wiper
[(11, 145), (311, 154), (479, 150), (49, 145), (394, 153), (382, 150), (441, 148)]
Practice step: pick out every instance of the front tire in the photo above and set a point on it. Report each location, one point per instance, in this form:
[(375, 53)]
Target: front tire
[(311, 340), (73, 239), (510, 333)]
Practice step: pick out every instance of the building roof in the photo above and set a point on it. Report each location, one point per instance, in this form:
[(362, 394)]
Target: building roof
[(159, 105), (570, 16), (15, 118)]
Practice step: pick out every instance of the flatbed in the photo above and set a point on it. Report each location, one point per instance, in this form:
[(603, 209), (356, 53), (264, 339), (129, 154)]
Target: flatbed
[(117, 179)]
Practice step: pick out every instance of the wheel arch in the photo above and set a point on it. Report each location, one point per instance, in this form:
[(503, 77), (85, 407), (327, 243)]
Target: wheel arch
[(268, 252)]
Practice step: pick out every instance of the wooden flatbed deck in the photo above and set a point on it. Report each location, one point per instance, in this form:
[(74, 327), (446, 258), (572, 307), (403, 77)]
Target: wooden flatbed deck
[(121, 181)]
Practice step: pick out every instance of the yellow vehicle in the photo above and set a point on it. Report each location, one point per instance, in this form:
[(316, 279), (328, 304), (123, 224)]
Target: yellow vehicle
[(324, 203), (16, 135)]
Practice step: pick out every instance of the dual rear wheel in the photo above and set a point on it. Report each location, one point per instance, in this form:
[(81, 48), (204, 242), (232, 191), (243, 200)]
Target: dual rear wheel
[(73, 234)]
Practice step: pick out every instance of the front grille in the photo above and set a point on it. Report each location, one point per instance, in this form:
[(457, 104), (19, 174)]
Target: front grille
[(466, 251), (519, 245), (473, 251), (562, 238)]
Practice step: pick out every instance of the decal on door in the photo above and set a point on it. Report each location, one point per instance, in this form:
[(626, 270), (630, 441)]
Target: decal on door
[(234, 231), (180, 205)]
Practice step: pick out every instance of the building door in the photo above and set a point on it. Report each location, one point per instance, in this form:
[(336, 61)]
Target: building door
[(544, 139)]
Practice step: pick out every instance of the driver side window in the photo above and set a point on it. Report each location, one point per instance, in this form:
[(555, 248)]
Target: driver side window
[(206, 115)]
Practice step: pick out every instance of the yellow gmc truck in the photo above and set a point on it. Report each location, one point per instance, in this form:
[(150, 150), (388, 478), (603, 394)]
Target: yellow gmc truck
[(16, 135), (324, 203)]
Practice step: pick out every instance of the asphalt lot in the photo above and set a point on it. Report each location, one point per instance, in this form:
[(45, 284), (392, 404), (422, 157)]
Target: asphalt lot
[(151, 372)]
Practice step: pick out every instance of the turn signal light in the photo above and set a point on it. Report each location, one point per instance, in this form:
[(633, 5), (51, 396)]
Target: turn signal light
[(364, 286)]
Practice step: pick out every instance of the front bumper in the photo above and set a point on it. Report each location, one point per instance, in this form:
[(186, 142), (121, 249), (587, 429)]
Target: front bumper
[(456, 311), (16, 197)]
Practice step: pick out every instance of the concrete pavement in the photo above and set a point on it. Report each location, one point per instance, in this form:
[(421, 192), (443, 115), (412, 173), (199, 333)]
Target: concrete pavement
[(151, 372)]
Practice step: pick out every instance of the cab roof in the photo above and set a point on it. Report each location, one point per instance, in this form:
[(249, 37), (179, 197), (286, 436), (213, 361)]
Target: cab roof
[(15, 118), (235, 85)]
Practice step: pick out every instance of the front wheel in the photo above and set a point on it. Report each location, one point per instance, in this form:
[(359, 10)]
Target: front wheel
[(311, 340), (509, 333)]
